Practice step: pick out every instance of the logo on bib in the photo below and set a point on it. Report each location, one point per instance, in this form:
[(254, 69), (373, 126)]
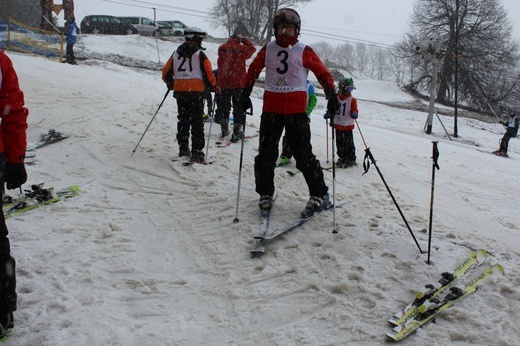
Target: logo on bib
[(281, 82)]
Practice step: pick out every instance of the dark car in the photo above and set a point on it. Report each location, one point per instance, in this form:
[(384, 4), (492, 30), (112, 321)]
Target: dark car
[(101, 24)]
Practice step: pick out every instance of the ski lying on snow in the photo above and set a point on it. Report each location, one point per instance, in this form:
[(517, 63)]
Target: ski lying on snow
[(47, 138), (431, 291), (432, 307), (35, 199)]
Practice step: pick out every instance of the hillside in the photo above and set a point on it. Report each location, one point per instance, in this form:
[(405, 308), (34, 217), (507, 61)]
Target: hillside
[(148, 254)]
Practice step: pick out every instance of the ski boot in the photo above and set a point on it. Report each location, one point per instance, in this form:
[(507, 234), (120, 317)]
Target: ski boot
[(316, 204), (283, 160), (265, 202), (197, 156), (238, 134)]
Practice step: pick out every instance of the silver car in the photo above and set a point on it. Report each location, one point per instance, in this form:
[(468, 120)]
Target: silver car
[(144, 26), (176, 27)]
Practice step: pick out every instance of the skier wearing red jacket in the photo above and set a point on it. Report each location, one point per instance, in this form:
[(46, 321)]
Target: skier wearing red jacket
[(13, 142), (287, 62), (232, 56)]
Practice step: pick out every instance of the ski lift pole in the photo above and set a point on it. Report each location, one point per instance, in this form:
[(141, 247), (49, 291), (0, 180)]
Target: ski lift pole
[(366, 166), (435, 165), (147, 127)]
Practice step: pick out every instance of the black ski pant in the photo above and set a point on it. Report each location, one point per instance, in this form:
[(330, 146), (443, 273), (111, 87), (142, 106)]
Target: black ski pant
[(230, 98), (298, 135), (7, 262), (504, 143), (190, 110), (69, 57), (286, 149), (345, 146)]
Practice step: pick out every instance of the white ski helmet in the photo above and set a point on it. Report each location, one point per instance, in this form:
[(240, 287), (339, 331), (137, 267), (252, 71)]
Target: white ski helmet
[(194, 34)]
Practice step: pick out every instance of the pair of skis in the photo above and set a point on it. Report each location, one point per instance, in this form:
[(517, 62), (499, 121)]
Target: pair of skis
[(427, 304), (37, 197), (260, 240)]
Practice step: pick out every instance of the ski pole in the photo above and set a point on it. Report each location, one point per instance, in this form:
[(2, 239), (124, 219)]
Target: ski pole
[(334, 230), (210, 114), (147, 127), (327, 136), (366, 166), (435, 165), (240, 169)]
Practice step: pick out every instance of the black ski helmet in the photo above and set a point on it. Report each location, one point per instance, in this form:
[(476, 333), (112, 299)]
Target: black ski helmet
[(288, 16)]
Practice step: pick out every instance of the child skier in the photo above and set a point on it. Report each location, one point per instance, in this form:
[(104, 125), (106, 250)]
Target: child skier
[(344, 123)]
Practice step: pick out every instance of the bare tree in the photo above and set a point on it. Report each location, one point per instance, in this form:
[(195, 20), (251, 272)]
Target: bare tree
[(344, 55), (378, 62), (397, 66), (488, 56), (361, 57), (256, 15), (324, 50)]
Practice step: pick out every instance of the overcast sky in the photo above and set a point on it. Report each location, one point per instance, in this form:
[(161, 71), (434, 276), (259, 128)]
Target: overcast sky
[(378, 21)]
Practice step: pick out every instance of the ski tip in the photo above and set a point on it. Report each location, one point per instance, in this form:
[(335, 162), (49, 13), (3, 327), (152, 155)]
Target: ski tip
[(481, 255), (499, 268)]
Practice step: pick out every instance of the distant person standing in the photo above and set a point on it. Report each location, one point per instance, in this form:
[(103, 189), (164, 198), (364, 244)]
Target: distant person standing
[(188, 71), (71, 36), (511, 132), (232, 56), (13, 142)]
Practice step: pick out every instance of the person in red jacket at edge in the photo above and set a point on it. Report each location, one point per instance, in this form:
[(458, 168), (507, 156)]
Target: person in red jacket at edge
[(287, 62), (13, 142), (232, 56)]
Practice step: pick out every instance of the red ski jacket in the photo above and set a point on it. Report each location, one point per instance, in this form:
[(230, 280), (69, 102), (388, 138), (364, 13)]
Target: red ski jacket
[(289, 102), (13, 140), (231, 62)]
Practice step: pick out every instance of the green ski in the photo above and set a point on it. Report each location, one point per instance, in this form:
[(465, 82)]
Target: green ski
[(432, 307), (431, 291)]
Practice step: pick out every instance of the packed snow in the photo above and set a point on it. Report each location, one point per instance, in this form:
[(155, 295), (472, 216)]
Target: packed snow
[(148, 253)]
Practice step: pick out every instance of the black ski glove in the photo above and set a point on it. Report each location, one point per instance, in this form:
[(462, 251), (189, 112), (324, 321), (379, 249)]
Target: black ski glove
[(332, 104), (15, 175), (245, 100)]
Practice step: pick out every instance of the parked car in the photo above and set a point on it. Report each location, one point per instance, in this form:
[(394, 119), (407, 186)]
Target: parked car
[(176, 27), (144, 26), (165, 29), (101, 24)]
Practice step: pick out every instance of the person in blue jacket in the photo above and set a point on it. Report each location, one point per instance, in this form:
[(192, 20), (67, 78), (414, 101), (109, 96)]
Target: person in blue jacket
[(71, 35)]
